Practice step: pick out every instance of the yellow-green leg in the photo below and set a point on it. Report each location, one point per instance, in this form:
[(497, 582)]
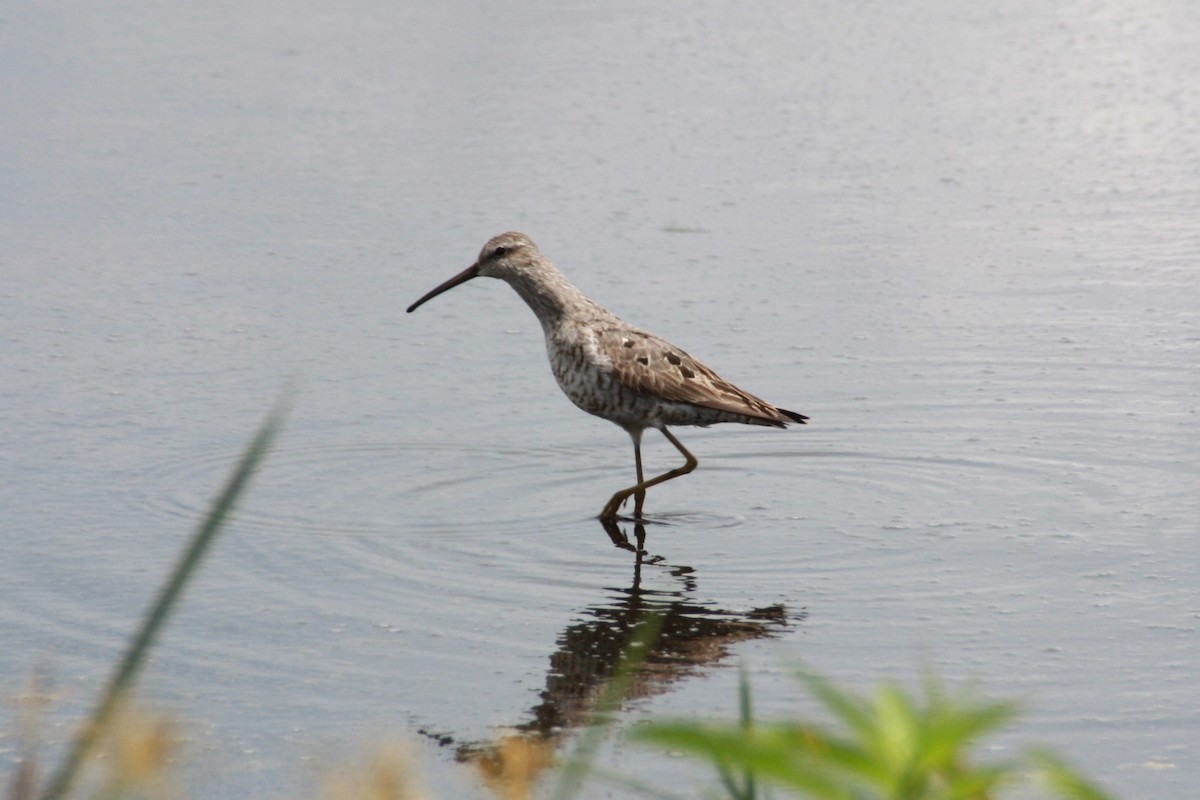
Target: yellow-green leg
[(638, 491), (640, 498)]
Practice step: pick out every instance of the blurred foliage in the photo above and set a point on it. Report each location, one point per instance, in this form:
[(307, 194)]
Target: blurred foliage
[(885, 745)]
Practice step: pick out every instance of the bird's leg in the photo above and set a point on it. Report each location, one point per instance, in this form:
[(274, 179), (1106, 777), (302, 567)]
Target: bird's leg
[(640, 497), (610, 510), (636, 435)]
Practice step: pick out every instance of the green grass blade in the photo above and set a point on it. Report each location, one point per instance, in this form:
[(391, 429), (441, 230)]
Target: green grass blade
[(575, 769), (168, 596), (1064, 781), (749, 790), (773, 754), (847, 707)]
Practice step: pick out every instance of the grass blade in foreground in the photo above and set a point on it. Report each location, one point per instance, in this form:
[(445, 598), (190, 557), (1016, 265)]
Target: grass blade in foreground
[(167, 598), (1063, 779), (574, 771)]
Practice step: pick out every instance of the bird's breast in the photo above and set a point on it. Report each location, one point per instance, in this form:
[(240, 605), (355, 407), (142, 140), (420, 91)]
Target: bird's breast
[(585, 374)]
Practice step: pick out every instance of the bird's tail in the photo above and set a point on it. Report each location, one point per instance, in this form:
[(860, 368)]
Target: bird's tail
[(793, 416)]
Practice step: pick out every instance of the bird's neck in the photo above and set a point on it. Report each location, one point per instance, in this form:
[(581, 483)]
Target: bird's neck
[(551, 296)]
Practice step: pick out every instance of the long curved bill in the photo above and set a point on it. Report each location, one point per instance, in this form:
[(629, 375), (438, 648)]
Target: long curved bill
[(462, 277)]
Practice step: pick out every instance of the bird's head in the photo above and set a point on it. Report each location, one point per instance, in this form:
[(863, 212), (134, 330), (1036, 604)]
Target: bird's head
[(507, 257)]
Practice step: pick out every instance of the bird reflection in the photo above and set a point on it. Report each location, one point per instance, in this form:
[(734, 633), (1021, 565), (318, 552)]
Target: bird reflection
[(619, 538), (693, 636)]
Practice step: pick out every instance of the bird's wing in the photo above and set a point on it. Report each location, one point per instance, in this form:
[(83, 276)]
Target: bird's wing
[(649, 365)]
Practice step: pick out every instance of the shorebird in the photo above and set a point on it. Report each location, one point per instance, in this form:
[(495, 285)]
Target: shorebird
[(611, 369)]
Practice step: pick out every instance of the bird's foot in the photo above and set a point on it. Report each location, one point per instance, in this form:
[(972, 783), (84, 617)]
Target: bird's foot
[(609, 513), (618, 502)]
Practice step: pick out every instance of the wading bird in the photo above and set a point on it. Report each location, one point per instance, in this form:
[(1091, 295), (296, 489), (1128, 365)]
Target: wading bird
[(610, 368)]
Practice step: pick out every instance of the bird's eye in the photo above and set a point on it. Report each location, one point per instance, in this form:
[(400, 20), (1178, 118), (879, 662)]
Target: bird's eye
[(500, 252)]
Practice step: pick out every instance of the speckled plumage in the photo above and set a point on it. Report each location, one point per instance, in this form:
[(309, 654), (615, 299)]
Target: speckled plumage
[(611, 369)]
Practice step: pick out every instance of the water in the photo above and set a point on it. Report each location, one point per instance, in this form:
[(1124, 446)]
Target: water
[(962, 239)]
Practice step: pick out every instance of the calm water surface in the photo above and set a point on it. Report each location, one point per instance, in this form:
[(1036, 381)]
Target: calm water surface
[(963, 240)]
